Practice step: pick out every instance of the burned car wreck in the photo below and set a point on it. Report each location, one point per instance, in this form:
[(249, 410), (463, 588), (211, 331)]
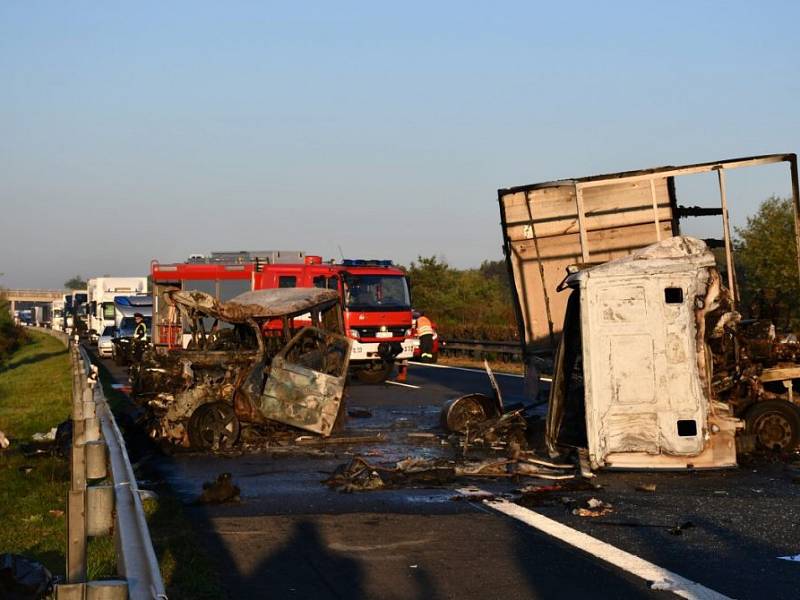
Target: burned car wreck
[(267, 356)]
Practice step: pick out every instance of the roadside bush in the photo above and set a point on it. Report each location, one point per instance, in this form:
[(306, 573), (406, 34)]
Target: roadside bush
[(12, 336), (470, 304)]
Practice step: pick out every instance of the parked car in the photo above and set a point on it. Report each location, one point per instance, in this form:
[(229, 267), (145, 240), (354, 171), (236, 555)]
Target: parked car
[(105, 342)]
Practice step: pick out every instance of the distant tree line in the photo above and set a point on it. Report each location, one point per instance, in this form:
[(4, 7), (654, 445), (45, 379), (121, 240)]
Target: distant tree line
[(464, 303)]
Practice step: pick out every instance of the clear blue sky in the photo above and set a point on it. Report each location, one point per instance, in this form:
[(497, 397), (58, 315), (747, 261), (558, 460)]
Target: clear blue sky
[(158, 129)]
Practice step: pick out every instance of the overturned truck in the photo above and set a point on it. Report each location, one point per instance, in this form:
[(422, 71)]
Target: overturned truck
[(268, 356), (654, 366)]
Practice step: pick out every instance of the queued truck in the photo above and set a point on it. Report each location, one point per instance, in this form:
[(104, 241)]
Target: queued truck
[(57, 316), (655, 364), (75, 305), (374, 295), (102, 311)]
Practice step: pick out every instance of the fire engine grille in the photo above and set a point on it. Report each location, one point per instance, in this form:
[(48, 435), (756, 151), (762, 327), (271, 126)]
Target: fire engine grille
[(371, 332)]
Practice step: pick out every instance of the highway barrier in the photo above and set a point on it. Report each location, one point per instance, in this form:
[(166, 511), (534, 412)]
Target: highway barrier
[(104, 498)]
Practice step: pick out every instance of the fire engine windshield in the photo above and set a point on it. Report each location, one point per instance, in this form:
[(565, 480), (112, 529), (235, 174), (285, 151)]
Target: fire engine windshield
[(377, 292)]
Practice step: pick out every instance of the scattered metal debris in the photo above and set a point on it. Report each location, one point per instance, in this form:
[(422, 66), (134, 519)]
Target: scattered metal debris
[(593, 508), (48, 436), (220, 491), (679, 529), (360, 475), (646, 487)]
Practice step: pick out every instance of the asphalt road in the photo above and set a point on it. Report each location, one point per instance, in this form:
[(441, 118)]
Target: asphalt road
[(291, 536)]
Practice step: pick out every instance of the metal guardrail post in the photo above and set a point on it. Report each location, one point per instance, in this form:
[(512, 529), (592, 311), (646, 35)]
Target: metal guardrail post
[(76, 500), (98, 451)]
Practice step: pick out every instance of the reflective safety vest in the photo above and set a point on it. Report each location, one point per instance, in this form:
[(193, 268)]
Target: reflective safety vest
[(141, 331), (424, 326)]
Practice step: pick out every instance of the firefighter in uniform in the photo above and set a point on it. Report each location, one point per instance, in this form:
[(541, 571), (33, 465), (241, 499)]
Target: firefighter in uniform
[(425, 334), (139, 336)]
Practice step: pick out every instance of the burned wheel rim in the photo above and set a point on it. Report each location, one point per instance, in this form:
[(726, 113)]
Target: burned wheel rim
[(213, 427), (775, 423), (462, 413), (773, 431)]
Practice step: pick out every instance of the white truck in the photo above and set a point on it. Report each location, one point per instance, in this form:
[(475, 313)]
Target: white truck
[(57, 317), (101, 293)]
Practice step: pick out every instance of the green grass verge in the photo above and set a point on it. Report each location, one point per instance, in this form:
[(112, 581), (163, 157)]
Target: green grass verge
[(35, 395)]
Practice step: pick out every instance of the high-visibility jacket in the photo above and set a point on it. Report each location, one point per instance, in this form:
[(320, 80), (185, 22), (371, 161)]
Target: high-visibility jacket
[(140, 332), (424, 326)]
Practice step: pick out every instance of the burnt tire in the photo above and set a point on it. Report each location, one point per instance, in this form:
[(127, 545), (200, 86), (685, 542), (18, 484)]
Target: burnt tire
[(460, 414), (775, 424), (375, 373), (213, 426)]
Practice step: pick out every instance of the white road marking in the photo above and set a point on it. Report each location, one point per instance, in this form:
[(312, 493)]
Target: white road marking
[(408, 385), (658, 577), (435, 366), (795, 558)]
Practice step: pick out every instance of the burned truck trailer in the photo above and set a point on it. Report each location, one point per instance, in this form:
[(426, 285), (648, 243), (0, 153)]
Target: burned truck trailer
[(629, 319)]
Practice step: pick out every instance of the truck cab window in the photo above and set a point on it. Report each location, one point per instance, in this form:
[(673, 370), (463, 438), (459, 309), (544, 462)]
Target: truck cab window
[(673, 295), (287, 281)]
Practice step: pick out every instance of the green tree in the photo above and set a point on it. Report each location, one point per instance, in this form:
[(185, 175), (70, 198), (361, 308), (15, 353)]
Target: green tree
[(470, 303), (766, 255), (75, 283)]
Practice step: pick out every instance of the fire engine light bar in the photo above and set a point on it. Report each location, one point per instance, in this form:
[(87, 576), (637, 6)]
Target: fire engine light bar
[(360, 262)]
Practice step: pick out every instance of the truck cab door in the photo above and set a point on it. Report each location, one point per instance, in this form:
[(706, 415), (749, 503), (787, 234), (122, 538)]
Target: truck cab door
[(306, 382)]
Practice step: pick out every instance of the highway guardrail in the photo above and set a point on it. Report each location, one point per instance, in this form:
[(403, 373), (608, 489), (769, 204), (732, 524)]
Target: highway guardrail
[(111, 507), (479, 348)]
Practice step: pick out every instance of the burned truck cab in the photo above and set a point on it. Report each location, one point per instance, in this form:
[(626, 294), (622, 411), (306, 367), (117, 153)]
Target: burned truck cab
[(632, 377)]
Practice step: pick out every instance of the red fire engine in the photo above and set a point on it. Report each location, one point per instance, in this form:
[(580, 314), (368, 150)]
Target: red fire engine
[(375, 298)]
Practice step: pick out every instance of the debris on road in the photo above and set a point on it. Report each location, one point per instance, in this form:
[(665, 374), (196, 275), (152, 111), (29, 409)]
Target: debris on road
[(4, 443), (359, 474), (359, 413), (422, 435), (679, 529), (646, 487), (593, 508), (22, 578), (48, 436), (220, 491)]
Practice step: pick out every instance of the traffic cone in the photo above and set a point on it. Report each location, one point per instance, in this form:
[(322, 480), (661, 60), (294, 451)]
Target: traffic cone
[(402, 373)]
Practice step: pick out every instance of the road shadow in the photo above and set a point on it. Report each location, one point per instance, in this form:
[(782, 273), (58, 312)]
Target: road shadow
[(28, 360), (305, 568)]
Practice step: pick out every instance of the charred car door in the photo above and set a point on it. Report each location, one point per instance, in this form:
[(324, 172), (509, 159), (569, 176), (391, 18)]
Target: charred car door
[(306, 382)]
